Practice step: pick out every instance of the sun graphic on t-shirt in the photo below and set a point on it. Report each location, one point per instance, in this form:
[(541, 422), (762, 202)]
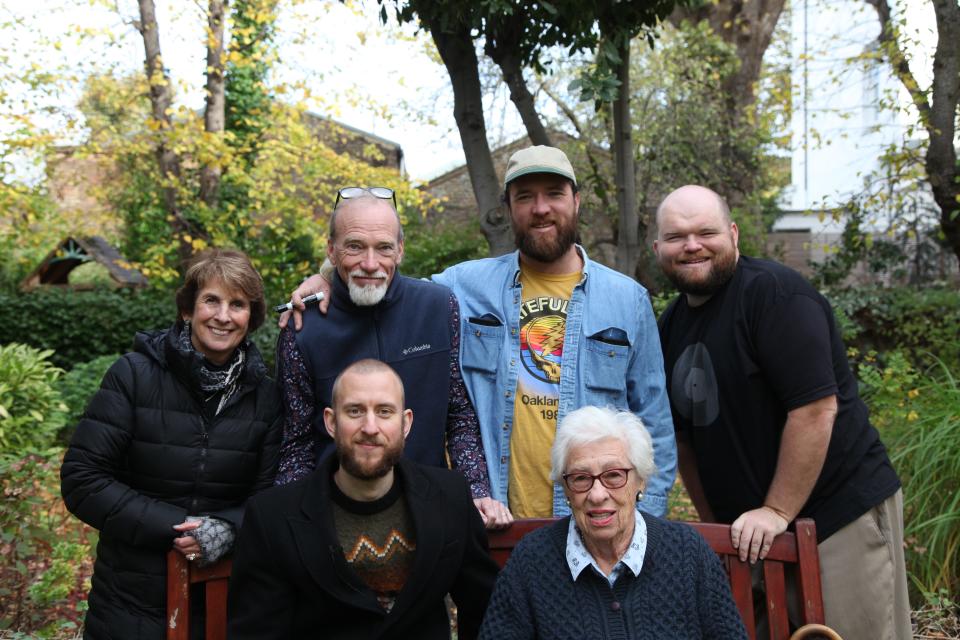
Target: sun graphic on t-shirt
[(541, 343)]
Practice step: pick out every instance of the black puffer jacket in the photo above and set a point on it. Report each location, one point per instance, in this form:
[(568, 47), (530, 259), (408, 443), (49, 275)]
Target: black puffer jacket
[(144, 457)]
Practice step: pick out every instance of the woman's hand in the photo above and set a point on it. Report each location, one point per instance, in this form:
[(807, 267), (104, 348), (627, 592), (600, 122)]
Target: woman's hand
[(187, 545)]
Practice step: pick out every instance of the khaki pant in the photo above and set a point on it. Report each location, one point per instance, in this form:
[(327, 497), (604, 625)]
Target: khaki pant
[(864, 578)]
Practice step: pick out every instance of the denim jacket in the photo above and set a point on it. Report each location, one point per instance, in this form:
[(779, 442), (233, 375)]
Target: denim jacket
[(611, 357)]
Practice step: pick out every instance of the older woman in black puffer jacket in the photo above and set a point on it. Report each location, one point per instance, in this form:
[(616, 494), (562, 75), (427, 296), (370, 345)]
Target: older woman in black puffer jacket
[(181, 432)]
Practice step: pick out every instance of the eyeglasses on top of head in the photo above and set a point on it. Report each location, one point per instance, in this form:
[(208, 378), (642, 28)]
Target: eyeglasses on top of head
[(384, 193), (581, 482)]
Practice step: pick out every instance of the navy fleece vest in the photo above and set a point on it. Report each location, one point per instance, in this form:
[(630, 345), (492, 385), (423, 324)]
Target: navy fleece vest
[(409, 330)]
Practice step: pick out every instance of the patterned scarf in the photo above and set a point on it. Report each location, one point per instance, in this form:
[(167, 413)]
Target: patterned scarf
[(223, 379)]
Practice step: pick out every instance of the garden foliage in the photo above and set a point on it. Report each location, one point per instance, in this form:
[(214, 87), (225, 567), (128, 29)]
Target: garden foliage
[(918, 412), (45, 553), (31, 410), (916, 321), (81, 325), (78, 385)]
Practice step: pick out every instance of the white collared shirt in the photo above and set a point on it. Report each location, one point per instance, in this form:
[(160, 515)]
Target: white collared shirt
[(578, 558)]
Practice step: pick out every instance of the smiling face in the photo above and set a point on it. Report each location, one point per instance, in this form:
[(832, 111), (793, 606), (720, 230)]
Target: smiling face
[(696, 243), (543, 213), (368, 422), (219, 321), (604, 516), (366, 248)]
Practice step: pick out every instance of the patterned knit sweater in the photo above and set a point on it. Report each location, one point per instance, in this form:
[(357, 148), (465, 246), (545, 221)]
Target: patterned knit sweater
[(378, 540), (681, 592)]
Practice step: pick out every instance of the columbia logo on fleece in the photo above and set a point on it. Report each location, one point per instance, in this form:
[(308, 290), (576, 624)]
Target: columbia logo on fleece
[(419, 347)]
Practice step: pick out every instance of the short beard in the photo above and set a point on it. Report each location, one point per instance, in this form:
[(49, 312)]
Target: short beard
[(369, 295), (391, 456), (723, 268), (546, 250)]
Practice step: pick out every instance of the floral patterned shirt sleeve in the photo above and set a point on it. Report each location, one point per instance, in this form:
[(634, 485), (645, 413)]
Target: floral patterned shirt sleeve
[(298, 450), (464, 444)]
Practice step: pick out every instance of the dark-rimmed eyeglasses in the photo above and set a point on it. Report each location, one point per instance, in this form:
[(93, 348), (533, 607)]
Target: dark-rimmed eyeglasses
[(384, 193), (580, 482)]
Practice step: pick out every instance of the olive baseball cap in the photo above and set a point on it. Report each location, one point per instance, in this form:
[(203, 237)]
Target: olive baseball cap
[(538, 159)]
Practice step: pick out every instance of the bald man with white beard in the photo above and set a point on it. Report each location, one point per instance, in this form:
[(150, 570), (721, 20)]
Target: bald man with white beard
[(374, 312)]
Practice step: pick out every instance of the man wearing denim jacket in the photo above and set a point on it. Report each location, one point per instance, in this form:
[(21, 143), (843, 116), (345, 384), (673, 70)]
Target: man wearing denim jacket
[(544, 331)]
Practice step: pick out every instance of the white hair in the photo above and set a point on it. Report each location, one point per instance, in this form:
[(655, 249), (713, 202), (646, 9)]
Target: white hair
[(588, 425)]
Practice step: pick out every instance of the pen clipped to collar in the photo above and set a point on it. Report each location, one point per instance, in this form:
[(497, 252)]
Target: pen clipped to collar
[(288, 306)]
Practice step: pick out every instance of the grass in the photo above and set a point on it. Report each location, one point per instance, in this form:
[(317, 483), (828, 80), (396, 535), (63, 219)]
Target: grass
[(927, 456)]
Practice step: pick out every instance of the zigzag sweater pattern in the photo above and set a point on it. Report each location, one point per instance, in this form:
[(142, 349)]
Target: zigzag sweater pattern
[(378, 541)]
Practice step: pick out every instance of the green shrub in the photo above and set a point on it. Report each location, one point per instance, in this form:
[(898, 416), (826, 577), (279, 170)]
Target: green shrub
[(902, 318), (78, 385), (81, 325), (31, 410), (431, 248)]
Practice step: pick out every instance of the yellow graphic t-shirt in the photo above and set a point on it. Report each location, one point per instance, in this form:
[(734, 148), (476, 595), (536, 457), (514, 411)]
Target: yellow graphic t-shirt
[(543, 321)]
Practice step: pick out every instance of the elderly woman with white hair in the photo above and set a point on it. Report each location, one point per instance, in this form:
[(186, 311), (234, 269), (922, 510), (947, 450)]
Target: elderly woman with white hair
[(610, 571)]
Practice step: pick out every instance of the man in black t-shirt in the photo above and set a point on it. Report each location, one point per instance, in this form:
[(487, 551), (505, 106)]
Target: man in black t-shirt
[(367, 545), (769, 423)]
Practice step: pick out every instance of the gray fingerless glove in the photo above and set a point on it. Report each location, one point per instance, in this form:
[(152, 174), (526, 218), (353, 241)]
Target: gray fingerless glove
[(215, 538)]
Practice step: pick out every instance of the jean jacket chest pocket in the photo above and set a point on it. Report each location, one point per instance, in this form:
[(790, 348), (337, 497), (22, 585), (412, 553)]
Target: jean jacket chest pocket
[(482, 342), (606, 357)]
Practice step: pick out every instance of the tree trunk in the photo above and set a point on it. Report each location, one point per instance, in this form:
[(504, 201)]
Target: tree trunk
[(214, 114), (937, 109), (456, 49), (628, 224), (502, 44), (160, 103), (748, 26)]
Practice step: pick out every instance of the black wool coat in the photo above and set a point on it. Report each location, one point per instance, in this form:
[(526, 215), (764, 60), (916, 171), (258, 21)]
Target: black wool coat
[(290, 578), (145, 456)]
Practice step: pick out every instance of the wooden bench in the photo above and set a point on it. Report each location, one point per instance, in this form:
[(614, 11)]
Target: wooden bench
[(789, 549), (181, 575)]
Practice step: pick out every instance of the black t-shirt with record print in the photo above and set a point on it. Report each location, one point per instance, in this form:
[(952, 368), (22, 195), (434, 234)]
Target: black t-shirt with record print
[(765, 344)]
